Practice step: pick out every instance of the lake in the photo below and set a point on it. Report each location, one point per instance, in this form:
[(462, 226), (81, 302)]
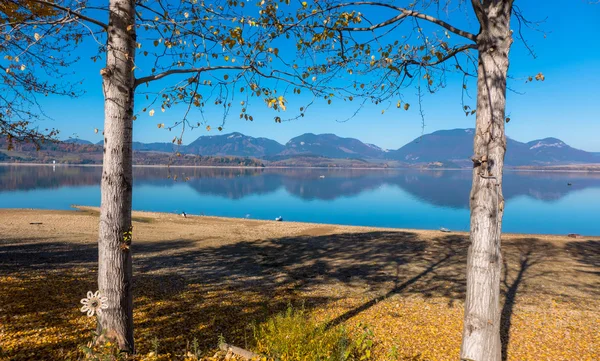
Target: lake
[(535, 202)]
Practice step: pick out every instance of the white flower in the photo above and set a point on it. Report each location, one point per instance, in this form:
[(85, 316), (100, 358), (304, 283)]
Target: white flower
[(94, 303)]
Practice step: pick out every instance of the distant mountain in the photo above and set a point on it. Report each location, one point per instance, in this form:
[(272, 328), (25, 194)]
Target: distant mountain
[(235, 144), (555, 151), (155, 147), (88, 153), (77, 141), (444, 145), (441, 149), (456, 146), (331, 146), (149, 147)]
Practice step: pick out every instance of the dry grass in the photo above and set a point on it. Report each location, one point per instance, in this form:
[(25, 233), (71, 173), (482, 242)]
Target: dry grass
[(202, 277)]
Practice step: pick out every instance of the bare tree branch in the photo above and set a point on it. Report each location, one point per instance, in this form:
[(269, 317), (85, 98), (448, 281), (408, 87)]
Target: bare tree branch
[(404, 14), (71, 12), (450, 54), (151, 78)]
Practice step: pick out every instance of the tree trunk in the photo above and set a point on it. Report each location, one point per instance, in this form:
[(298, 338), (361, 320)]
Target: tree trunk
[(481, 333), (114, 255)]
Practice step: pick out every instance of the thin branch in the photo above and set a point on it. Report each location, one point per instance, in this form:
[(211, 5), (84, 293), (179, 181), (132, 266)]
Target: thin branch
[(404, 13), (154, 77), (71, 12), (449, 55)]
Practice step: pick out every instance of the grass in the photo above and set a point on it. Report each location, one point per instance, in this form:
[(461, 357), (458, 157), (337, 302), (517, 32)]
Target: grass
[(295, 335)]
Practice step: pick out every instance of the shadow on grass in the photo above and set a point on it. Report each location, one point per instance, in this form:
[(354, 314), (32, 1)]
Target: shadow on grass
[(184, 291)]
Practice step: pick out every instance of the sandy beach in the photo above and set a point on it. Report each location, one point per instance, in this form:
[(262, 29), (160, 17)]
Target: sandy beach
[(202, 277)]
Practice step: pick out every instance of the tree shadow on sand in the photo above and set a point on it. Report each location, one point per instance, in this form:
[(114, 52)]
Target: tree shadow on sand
[(186, 290), (528, 253)]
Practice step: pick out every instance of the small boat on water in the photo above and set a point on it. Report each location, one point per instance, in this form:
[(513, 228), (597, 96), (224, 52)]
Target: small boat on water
[(445, 230), (279, 219)]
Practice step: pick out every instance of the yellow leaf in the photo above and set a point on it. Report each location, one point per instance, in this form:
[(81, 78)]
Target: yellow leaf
[(151, 113), (37, 36), (406, 106)]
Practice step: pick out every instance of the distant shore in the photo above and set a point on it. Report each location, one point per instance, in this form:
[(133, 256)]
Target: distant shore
[(594, 168)]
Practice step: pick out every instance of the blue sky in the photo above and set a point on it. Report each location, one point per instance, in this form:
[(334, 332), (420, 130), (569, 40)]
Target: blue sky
[(566, 105)]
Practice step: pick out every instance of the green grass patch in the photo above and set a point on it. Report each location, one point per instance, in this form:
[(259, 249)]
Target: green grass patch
[(295, 336)]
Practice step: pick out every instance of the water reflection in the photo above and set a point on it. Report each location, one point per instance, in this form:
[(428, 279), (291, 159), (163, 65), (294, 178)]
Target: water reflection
[(440, 188)]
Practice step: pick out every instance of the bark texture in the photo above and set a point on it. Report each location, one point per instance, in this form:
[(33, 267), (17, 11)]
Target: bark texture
[(114, 255), (481, 333)]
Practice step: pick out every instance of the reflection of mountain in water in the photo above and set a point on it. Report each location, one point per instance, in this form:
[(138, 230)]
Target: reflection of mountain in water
[(451, 188), (25, 177), (335, 184), (238, 186), (442, 188)]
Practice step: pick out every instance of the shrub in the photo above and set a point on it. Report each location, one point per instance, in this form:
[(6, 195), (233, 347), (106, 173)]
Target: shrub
[(294, 336)]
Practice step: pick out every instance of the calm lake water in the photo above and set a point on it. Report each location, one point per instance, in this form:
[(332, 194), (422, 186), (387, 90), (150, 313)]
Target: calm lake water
[(536, 202)]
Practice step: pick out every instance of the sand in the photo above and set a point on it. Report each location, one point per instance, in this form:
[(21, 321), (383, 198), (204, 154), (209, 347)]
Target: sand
[(201, 277)]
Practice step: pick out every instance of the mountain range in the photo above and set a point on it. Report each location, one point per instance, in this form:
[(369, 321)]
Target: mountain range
[(443, 148)]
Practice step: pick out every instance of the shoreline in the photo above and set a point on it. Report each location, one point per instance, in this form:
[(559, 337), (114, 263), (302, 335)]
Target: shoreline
[(539, 170), (91, 210)]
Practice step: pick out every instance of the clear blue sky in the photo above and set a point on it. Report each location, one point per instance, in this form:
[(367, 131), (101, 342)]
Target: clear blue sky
[(566, 105)]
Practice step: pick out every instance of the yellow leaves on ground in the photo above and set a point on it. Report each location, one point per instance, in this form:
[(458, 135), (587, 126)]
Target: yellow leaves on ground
[(40, 318), (212, 277)]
